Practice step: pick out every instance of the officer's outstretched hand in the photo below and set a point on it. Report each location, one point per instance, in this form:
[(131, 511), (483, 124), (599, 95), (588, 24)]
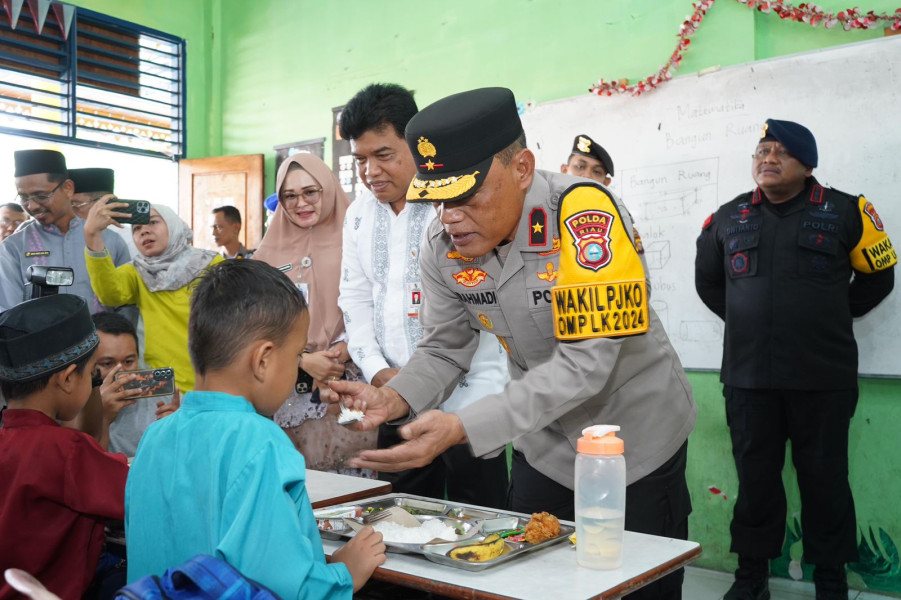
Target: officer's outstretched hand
[(378, 404), (428, 436)]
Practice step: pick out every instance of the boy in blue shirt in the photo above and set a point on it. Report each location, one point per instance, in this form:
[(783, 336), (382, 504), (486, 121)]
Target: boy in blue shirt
[(218, 478)]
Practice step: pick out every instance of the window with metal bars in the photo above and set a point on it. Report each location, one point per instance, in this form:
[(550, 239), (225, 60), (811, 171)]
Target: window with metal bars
[(105, 83)]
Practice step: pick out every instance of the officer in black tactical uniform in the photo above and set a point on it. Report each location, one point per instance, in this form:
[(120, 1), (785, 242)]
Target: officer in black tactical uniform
[(788, 266)]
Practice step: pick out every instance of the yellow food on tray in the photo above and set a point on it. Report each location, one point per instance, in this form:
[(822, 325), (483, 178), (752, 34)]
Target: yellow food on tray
[(543, 526), (491, 547)]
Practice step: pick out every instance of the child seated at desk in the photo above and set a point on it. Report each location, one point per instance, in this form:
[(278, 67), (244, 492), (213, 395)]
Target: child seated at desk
[(218, 478), (59, 486)]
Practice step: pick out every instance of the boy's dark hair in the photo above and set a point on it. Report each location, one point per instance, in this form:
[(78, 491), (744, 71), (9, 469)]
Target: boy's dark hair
[(114, 324), (13, 206), (375, 107), (231, 214), (13, 390), (235, 304)]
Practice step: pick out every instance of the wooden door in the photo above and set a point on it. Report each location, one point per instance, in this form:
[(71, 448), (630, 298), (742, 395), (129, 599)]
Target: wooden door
[(207, 183)]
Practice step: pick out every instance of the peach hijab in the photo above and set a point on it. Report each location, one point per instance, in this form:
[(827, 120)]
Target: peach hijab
[(319, 247)]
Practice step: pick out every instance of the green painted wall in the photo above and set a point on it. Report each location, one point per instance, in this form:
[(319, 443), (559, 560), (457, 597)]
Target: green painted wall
[(269, 72)]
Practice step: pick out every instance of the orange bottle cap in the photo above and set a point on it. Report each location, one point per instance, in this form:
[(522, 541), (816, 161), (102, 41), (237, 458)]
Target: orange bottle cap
[(600, 439)]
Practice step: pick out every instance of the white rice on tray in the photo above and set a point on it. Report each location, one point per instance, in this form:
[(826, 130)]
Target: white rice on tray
[(428, 531)]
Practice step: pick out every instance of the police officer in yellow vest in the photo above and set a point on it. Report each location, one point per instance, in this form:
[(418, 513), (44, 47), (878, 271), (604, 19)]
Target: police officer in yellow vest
[(544, 261), (787, 266)]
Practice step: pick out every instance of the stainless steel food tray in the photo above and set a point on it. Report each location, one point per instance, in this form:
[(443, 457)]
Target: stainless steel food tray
[(463, 518)]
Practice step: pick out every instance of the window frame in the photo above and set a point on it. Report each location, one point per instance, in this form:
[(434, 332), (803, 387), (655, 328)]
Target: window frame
[(69, 78)]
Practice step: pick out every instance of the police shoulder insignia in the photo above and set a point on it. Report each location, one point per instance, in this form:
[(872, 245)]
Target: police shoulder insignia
[(874, 252), (601, 289), (470, 277), (707, 222), (537, 227)]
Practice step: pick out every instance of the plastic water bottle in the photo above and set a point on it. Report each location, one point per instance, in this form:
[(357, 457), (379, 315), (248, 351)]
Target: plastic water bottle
[(600, 498)]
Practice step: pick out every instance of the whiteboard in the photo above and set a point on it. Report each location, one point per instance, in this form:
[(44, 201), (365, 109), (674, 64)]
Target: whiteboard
[(684, 149)]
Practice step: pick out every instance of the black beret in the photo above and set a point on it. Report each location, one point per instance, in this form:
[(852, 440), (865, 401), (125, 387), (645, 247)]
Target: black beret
[(586, 146), (32, 162), (42, 336), (93, 180), (797, 139), (455, 139)]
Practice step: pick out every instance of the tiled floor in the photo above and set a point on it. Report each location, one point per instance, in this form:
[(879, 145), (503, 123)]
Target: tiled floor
[(702, 584)]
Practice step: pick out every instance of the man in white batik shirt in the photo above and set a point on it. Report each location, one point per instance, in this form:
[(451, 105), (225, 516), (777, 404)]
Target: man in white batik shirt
[(381, 292)]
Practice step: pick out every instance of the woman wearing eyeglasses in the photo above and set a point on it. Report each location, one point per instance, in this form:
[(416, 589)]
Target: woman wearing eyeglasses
[(158, 281), (304, 240)]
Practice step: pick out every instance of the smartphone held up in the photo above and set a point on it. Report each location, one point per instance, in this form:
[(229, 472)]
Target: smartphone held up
[(151, 382), (138, 209)]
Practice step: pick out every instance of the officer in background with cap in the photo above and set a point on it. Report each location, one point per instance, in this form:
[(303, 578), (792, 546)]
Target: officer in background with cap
[(545, 262), (788, 266), (55, 236), (91, 185), (589, 159)]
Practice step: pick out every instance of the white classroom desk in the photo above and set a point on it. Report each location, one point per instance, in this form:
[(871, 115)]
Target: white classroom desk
[(548, 573), (326, 489)]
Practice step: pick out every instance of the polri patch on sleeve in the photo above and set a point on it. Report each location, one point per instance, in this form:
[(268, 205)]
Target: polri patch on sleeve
[(874, 252), (601, 288), (537, 227)]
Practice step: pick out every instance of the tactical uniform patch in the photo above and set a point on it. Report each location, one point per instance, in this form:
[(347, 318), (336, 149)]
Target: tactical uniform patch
[(470, 277), (739, 263), (601, 289), (870, 211), (590, 230), (874, 252)]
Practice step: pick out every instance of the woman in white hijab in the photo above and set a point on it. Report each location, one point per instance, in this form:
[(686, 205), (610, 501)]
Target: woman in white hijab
[(158, 280)]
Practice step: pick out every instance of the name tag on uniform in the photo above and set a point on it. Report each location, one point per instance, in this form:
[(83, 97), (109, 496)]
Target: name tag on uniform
[(37, 253)]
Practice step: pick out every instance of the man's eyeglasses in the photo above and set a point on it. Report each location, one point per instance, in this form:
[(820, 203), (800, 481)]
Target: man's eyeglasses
[(309, 195), (42, 198), (764, 151)]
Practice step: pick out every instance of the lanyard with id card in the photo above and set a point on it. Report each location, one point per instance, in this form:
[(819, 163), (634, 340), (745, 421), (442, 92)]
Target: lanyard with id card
[(413, 299)]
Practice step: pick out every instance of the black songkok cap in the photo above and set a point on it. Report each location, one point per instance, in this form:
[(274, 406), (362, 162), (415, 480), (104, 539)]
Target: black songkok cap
[(93, 180), (42, 336), (32, 162), (796, 138), (455, 139), (586, 146)]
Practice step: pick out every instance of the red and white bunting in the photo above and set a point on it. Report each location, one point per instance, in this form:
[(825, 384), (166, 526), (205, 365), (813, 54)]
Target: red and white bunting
[(13, 9), (64, 14), (39, 10)]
